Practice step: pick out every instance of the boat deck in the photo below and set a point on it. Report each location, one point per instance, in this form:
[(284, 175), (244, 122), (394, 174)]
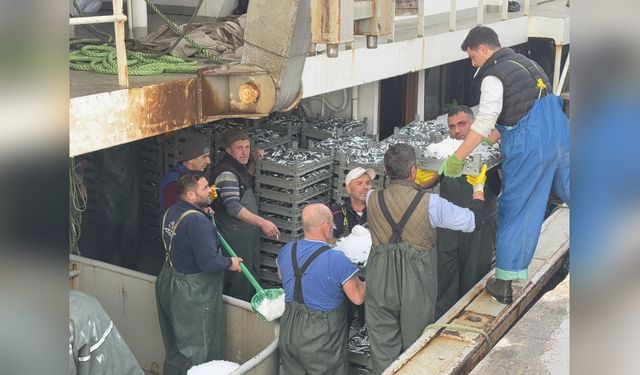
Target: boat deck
[(538, 343)]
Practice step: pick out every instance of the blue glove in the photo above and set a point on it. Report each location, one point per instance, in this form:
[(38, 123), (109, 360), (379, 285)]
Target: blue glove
[(452, 167)]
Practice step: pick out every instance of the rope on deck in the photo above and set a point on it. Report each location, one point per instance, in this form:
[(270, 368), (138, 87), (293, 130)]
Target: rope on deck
[(176, 29), (95, 55), (461, 327), (100, 55)]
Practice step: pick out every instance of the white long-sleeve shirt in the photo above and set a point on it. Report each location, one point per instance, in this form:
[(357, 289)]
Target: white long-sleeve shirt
[(444, 214), (491, 92)]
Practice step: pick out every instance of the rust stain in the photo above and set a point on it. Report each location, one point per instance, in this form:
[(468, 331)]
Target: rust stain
[(474, 319), (165, 107), (326, 25), (109, 119), (339, 17), (455, 335)]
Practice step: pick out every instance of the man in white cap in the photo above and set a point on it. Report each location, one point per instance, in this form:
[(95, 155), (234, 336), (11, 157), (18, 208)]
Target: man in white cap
[(351, 212)]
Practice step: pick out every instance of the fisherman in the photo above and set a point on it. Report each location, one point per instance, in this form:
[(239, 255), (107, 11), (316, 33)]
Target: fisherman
[(189, 286), (237, 209), (95, 345), (515, 99), (196, 156), (351, 212), (465, 258), (401, 268), (313, 328), (353, 209)]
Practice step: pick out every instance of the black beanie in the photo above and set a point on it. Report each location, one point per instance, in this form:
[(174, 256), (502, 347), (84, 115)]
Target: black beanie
[(195, 146)]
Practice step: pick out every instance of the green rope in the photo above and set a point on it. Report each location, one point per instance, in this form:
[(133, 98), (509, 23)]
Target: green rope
[(98, 56), (460, 327), (78, 200), (101, 58), (202, 50)]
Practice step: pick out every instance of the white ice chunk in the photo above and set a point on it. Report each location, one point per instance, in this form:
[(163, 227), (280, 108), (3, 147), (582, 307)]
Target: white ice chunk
[(443, 149), (448, 146), (213, 367), (271, 308), (357, 245)]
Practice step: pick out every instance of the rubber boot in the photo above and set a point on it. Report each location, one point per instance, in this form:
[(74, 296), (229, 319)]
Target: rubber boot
[(500, 290)]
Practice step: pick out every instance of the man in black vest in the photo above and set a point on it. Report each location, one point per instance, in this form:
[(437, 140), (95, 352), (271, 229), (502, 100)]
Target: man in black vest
[(516, 99), (464, 258), (236, 210)]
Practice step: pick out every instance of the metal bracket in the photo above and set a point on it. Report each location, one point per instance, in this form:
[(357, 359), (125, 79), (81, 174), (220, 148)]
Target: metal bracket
[(235, 91)]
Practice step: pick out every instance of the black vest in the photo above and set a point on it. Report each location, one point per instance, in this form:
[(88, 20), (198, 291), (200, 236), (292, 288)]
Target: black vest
[(519, 76), (229, 164)]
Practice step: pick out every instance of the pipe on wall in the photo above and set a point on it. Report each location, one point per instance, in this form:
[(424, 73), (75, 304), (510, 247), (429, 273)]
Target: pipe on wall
[(354, 102)]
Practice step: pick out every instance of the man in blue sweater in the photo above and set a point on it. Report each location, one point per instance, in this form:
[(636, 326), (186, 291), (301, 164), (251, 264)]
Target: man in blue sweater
[(189, 286), (196, 156)]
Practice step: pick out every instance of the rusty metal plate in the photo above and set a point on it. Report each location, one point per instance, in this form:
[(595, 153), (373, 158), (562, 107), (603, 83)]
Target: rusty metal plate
[(113, 118), (235, 91)]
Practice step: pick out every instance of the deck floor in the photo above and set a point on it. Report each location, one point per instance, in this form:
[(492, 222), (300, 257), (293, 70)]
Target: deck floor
[(538, 343)]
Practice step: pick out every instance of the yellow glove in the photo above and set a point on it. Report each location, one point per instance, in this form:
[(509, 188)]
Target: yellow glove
[(214, 193), (478, 181), (423, 176)]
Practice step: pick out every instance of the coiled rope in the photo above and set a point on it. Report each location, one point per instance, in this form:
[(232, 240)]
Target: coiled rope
[(100, 55), (88, 55)]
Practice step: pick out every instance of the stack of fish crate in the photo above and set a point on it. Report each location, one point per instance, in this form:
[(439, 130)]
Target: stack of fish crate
[(334, 127), (288, 126), (428, 130), (153, 167), (344, 149), (267, 139), (286, 181), (371, 158)]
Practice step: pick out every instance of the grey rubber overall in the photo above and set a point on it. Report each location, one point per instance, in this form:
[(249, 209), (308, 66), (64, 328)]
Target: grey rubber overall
[(463, 258), (401, 291), (312, 342), (191, 314), (244, 239)]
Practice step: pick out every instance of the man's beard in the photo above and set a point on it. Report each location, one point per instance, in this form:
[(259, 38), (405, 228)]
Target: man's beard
[(204, 203)]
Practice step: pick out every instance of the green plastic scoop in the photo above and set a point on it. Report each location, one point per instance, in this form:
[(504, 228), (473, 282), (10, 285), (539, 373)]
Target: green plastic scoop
[(266, 303)]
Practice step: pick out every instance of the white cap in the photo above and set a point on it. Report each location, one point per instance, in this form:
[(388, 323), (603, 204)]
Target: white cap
[(357, 172)]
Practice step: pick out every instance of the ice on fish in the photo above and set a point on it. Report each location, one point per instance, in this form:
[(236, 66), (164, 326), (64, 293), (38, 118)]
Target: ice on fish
[(448, 146), (443, 149), (271, 308), (357, 245), (214, 367)]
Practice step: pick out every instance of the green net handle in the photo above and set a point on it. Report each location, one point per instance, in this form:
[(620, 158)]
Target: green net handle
[(244, 269)]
